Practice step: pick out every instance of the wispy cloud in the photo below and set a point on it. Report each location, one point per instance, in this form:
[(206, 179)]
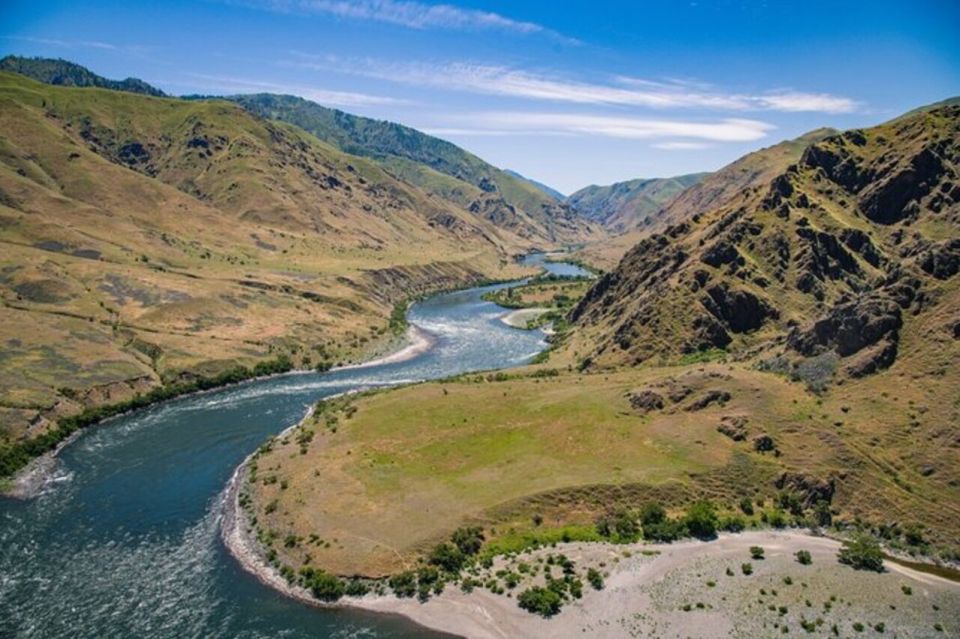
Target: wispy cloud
[(323, 96), (679, 132), (66, 44), (408, 13), (681, 146), (510, 82)]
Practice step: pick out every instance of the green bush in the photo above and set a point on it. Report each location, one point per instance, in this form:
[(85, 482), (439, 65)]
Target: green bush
[(804, 557), (756, 552), (701, 520), (468, 539), (746, 568), (665, 532), (746, 505), (447, 557), (595, 578), (404, 584), (545, 602), (323, 585), (862, 553)]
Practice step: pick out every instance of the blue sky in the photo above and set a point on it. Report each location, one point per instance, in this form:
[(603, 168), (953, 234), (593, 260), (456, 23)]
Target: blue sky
[(570, 93)]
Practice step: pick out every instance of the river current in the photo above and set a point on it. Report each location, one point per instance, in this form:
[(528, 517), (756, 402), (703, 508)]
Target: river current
[(124, 539)]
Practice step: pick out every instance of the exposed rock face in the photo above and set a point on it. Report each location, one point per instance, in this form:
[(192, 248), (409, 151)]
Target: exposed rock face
[(849, 327), (646, 401), (734, 427), (708, 398), (829, 254), (811, 489), (739, 309)]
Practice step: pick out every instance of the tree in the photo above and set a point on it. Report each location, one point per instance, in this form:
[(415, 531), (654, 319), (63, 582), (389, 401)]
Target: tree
[(448, 557), (756, 552), (701, 520), (404, 584), (323, 585), (863, 552), (652, 513), (803, 556), (746, 505), (545, 602), (469, 539)]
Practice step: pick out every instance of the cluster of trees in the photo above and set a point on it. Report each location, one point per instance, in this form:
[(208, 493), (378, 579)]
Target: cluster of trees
[(652, 522), (17, 455)]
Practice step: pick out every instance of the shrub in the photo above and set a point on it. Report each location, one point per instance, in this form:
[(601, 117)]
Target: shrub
[(803, 557), (448, 557), (756, 552), (858, 626), (746, 505), (666, 531), (595, 578), (701, 520), (862, 553), (323, 585), (747, 568), (404, 584), (733, 523), (652, 513), (907, 590), (356, 588), (468, 539), (545, 602)]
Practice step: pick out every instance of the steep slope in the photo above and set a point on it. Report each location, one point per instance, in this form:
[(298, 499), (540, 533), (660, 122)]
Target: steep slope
[(626, 205), (551, 192), (430, 163), (831, 261), (715, 189), (145, 238), (70, 74)]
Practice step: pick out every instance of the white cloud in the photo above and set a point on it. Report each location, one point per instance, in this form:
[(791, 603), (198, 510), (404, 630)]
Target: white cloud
[(409, 13), (67, 44), (322, 96), (681, 146), (510, 82), (516, 123)]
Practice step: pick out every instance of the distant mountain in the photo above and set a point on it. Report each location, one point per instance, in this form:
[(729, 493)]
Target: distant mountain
[(625, 205), (435, 165), (64, 73), (555, 194)]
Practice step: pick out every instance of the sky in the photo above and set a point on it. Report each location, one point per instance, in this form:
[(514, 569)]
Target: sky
[(567, 92)]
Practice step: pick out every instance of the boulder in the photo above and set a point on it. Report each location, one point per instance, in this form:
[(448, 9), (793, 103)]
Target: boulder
[(646, 401)]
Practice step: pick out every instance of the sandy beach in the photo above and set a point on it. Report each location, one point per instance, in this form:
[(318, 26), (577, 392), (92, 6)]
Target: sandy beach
[(520, 317)]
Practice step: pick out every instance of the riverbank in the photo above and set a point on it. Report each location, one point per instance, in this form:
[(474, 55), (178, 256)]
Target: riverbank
[(520, 317), (690, 588), (29, 481)]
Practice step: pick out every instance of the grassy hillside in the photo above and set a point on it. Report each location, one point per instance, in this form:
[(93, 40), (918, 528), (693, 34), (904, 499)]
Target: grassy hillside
[(145, 238), (627, 205), (497, 195), (550, 191)]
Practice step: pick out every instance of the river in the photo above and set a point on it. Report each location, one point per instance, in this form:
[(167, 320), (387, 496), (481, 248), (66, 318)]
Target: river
[(124, 540)]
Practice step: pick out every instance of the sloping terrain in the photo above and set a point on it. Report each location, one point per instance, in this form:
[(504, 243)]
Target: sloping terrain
[(434, 165), (552, 192), (628, 205), (147, 237), (751, 171), (836, 254)]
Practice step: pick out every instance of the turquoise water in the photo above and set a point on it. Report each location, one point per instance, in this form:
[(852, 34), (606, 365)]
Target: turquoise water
[(124, 541)]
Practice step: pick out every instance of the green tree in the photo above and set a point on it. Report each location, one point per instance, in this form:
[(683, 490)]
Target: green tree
[(545, 602), (863, 552), (701, 520)]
